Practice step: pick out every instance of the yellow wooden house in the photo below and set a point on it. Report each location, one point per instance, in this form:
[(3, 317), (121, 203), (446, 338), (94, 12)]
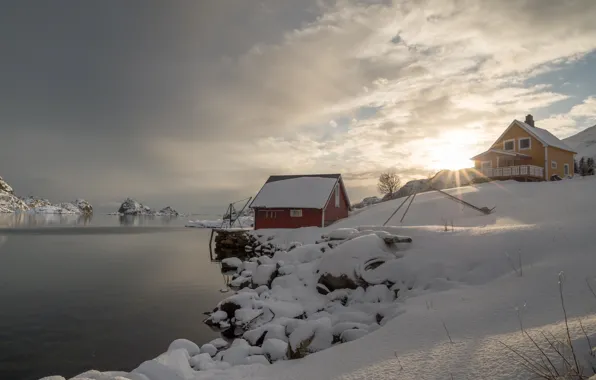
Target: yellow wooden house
[(527, 153)]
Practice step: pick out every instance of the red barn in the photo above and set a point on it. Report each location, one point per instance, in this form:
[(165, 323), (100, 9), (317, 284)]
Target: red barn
[(294, 201)]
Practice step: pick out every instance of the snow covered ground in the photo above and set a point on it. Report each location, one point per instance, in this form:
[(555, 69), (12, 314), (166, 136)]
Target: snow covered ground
[(463, 292)]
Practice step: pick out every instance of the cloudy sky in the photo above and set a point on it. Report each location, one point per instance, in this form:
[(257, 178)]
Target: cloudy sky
[(194, 103)]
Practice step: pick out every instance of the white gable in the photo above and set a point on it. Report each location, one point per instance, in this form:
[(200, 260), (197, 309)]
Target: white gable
[(301, 192)]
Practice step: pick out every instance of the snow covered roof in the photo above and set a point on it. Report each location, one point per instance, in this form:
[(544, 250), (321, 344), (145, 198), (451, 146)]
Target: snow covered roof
[(541, 135), (297, 191)]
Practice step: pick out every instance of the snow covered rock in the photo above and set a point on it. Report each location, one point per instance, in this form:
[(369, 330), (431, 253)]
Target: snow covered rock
[(264, 274), (34, 202), (132, 207), (209, 349), (275, 349), (84, 206), (344, 266), (5, 186), (309, 337), (9, 203), (185, 344), (367, 202), (231, 264), (352, 334), (219, 343), (167, 211)]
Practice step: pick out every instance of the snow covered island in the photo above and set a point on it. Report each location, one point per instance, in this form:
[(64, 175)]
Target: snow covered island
[(131, 207), (10, 203), (355, 301)]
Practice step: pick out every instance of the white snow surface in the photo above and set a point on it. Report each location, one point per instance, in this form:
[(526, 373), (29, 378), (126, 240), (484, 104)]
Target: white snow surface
[(584, 143), (302, 192), (476, 282)]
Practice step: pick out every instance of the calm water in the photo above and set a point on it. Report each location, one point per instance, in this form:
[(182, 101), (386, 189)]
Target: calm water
[(100, 293)]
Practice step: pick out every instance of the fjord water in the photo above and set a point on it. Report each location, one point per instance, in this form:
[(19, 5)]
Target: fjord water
[(103, 292)]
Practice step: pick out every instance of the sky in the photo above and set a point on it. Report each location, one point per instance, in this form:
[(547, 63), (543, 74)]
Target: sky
[(194, 104)]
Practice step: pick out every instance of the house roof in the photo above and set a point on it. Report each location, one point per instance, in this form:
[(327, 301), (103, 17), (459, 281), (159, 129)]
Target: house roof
[(542, 135), (501, 152), (297, 191)]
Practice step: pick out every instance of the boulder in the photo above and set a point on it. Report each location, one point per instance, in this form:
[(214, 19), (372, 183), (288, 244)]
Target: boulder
[(332, 282), (275, 349), (185, 344), (231, 264)]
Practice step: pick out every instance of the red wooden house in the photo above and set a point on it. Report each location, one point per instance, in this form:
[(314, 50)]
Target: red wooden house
[(294, 201)]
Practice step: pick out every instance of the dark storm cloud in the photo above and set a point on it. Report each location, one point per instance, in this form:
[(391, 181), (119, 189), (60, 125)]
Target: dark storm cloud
[(85, 86)]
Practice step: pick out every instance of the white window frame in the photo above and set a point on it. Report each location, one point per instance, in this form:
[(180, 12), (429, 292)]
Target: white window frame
[(486, 162), (553, 165), (529, 143), (505, 144), (296, 213), (337, 195), (271, 214)]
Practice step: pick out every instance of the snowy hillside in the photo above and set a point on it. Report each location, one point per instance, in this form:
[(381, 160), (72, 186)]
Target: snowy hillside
[(584, 143), (443, 306)]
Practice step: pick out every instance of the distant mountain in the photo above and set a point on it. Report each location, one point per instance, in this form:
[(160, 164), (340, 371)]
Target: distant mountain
[(584, 143)]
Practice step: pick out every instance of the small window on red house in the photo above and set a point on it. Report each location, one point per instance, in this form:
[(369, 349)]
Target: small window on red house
[(337, 195), (270, 214), (296, 213)]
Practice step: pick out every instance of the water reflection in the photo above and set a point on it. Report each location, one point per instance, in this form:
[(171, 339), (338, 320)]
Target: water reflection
[(144, 220), (38, 220)]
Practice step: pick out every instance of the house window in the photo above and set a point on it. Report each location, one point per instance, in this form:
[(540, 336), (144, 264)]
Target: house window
[(553, 164), (566, 169), (296, 213), (270, 214), (525, 143), (486, 165), (509, 144), (337, 195)]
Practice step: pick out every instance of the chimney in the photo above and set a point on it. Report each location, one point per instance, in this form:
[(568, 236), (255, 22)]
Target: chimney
[(530, 120)]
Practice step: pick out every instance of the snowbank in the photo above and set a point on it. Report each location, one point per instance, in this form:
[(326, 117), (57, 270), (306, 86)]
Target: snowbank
[(440, 309)]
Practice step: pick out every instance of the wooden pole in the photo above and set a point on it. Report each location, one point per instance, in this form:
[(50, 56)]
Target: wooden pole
[(395, 212), (409, 204)]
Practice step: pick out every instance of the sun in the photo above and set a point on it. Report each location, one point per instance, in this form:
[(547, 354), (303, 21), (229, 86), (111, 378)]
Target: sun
[(452, 150)]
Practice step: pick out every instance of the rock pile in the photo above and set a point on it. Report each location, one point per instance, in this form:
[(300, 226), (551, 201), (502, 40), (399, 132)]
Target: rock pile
[(310, 297)]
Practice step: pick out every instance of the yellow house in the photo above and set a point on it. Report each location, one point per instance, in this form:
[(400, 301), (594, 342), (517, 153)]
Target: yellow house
[(527, 153)]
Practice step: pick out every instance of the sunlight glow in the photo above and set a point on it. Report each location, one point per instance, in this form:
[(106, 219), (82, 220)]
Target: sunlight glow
[(452, 150)]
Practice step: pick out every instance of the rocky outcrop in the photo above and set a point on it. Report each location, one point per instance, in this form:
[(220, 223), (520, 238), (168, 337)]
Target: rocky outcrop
[(9, 202), (367, 202), (34, 202), (84, 206), (132, 207), (167, 211), (5, 187)]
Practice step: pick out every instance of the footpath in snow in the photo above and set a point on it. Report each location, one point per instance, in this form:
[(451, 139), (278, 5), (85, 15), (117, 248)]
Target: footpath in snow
[(357, 302)]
